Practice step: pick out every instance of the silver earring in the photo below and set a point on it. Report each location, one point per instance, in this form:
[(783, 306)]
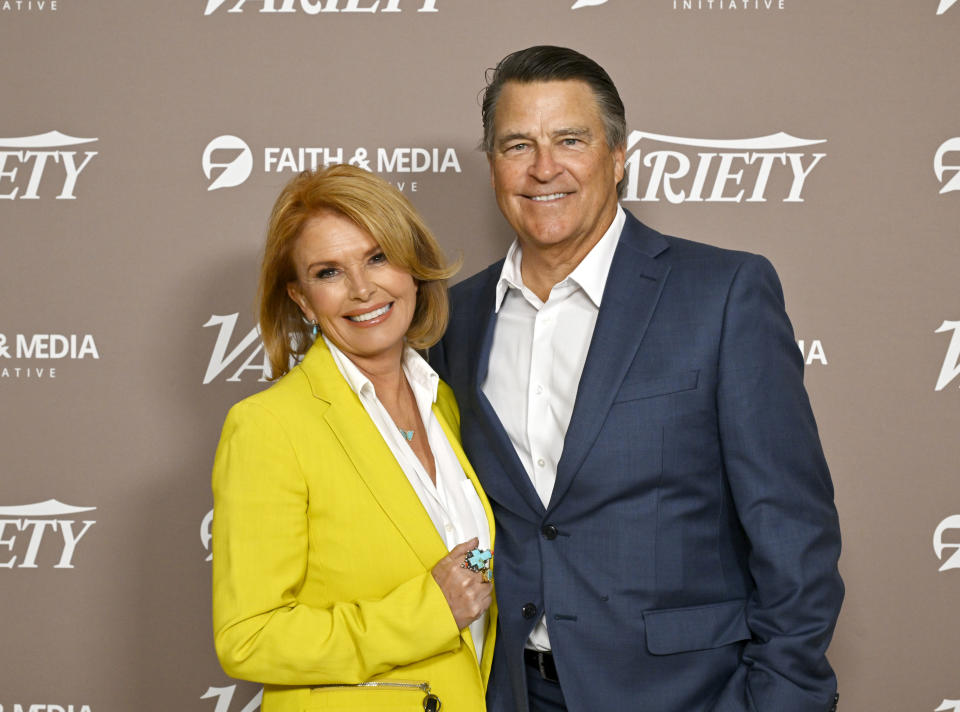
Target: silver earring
[(315, 330)]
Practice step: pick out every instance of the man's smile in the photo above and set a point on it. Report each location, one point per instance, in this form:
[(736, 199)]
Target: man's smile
[(548, 198)]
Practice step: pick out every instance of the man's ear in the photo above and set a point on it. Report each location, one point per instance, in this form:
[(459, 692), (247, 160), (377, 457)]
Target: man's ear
[(296, 294), (619, 159)]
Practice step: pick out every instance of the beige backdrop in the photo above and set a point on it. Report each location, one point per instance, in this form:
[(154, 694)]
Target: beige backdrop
[(127, 278)]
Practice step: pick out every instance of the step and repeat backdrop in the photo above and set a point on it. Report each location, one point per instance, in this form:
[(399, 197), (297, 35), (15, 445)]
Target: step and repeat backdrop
[(142, 145)]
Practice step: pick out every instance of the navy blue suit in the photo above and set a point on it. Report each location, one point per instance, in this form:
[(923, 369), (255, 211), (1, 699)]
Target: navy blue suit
[(687, 560)]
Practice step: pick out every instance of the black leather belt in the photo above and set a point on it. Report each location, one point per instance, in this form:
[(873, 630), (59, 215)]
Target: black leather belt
[(542, 662)]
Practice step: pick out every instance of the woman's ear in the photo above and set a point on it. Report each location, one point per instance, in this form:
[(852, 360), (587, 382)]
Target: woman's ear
[(296, 294)]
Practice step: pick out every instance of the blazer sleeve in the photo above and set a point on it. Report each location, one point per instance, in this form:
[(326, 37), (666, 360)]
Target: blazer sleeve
[(783, 496), (262, 631)]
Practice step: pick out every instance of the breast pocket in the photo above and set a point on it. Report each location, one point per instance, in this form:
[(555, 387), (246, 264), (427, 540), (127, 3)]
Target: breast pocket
[(655, 386)]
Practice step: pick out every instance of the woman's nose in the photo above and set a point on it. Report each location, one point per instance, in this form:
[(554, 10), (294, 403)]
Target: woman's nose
[(360, 286)]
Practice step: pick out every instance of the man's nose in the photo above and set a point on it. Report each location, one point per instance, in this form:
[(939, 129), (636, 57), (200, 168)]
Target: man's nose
[(544, 167)]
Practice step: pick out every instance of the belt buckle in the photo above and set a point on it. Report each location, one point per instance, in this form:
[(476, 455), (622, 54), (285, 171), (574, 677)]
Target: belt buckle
[(541, 667)]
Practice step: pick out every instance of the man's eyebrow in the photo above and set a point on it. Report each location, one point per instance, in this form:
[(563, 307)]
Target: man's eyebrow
[(573, 131), (512, 137)]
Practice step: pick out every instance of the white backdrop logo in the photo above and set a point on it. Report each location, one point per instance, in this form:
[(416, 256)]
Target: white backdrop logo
[(49, 708), (712, 4), (206, 534), (27, 6), (945, 5), (236, 170), (939, 168), (949, 706), (951, 363), (247, 353), (316, 7), (408, 161), (224, 698), (43, 347), (728, 4), (28, 163), (24, 528), (693, 170), (812, 352), (939, 545)]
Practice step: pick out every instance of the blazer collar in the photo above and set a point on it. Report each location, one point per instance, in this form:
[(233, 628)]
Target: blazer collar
[(371, 457), (633, 289)]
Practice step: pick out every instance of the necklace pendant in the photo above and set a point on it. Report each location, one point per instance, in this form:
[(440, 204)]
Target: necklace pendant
[(408, 434)]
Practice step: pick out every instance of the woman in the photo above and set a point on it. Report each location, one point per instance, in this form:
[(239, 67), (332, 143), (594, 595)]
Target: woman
[(349, 529)]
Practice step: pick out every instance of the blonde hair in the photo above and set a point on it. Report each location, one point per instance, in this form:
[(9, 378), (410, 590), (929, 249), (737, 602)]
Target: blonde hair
[(379, 209)]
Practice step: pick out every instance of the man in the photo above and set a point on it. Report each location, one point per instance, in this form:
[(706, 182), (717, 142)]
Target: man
[(633, 404)]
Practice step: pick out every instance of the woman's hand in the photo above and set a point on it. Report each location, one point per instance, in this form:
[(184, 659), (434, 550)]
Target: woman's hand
[(466, 593)]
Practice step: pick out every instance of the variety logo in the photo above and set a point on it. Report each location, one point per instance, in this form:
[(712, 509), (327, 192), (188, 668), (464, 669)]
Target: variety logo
[(256, 358), (939, 168), (587, 3), (38, 520), (815, 354), (953, 562), (33, 158), (224, 697), (27, 6), (692, 170), (235, 159), (206, 533), (949, 705), (315, 7), (951, 364), (945, 5), (43, 347)]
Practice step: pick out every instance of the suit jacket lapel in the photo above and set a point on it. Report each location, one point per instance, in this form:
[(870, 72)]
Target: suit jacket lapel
[(370, 455), (631, 294), (493, 428)]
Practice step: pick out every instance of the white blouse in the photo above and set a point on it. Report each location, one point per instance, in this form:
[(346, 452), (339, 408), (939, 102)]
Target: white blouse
[(453, 505)]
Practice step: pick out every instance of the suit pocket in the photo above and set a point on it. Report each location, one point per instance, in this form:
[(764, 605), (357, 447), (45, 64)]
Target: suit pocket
[(679, 630), (658, 386)]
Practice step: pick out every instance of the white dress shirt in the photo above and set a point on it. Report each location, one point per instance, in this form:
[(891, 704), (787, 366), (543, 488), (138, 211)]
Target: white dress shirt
[(536, 360), (453, 504)]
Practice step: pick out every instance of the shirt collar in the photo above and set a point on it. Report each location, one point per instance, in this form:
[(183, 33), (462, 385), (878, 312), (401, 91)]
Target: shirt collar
[(423, 379), (590, 275)]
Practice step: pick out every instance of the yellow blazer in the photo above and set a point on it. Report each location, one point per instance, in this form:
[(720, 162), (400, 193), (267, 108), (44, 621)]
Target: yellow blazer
[(322, 555)]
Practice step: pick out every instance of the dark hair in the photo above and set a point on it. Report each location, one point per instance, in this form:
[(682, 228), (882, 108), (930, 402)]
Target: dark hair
[(546, 63)]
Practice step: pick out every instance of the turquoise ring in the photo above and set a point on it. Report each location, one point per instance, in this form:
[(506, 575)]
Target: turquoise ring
[(480, 561)]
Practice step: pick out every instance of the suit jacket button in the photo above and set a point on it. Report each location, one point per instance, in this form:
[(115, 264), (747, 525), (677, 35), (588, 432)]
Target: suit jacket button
[(550, 531), (529, 610)]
